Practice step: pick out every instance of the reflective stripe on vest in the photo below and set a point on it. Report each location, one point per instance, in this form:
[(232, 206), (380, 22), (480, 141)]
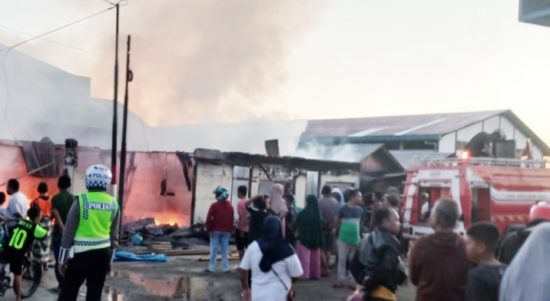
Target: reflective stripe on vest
[(97, 211)]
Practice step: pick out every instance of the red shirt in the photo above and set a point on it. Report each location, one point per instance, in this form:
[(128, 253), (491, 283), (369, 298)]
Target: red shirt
[(220, 217)]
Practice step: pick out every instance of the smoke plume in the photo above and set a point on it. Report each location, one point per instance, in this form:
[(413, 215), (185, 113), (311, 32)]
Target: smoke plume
[(209, 60)]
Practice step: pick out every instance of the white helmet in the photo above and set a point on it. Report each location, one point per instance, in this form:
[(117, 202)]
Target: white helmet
[(98, 177)]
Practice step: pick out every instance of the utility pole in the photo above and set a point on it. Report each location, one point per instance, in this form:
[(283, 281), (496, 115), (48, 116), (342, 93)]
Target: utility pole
[(129, 77), (115, 110)]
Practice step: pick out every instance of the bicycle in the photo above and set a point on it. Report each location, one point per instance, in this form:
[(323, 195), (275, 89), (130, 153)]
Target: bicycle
[(31, 275)]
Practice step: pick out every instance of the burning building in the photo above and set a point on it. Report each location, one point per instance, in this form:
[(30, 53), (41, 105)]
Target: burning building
[(175, 187), (158, 184)]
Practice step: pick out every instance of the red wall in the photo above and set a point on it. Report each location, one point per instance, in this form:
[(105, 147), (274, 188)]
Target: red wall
[(145, 173)]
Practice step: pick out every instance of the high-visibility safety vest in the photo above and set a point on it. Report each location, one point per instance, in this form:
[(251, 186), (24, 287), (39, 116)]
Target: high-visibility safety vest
[(97, 211)]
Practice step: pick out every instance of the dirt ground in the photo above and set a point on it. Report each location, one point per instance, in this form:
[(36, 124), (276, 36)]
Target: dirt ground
[(182, 278)]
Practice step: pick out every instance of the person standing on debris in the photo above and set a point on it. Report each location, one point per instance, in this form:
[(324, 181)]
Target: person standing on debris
[(310, 239), (219, 223), (273, 263), (19, 203), (483, 280), (91, 230), (328, 206), (527, 277), (438, 264), (241, 235), (257, 211), (61, 204), (348, 226), (41, 248)]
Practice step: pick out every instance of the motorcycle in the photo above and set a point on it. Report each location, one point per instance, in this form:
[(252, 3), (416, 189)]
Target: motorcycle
[(31, 273)]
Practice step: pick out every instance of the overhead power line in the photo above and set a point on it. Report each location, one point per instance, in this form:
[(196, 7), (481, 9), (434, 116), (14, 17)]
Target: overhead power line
[(9, 49), (58, 28), (53, 42)]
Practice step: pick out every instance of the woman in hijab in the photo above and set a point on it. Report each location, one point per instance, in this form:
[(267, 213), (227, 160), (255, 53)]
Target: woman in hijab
[(528, 276), (338, 195), (273, 264), (310, 239), (278, 204)]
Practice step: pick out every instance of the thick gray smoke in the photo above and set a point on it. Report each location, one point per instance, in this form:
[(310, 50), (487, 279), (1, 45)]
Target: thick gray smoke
[(209, 60), (206, 61)]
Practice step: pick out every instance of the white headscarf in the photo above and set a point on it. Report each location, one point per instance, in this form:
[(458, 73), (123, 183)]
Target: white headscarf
[(278, 204), (338, 191), (528, 276)]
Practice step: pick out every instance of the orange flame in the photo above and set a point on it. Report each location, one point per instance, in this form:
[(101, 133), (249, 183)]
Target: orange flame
[(167, 219)]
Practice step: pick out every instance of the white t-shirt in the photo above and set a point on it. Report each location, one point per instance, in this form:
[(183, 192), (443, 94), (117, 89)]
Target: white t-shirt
[(425, 209), (4, 212), (18, 204), (266, 286)]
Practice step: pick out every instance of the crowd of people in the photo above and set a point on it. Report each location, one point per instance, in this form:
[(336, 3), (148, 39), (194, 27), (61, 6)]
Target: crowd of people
[(364, 244), (80, 230), (311, 241), (41, 217), (280, 243)]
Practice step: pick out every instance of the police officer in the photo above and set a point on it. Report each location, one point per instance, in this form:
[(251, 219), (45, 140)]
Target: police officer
[(91, 230)]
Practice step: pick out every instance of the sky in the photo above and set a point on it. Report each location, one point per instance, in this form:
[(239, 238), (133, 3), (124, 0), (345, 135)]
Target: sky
[(215, 61)]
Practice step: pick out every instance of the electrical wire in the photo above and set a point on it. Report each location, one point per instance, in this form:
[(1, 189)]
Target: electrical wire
[(120, 2), (9, 49), (59, 28), (57, 43)]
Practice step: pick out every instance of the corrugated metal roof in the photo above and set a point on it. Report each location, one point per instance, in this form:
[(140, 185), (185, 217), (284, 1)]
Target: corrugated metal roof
[(411, 158), (245, 159), (342, 152), (433, 124)]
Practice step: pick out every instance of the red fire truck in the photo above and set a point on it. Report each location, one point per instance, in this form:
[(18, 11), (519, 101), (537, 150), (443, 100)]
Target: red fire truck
[(496, 190)]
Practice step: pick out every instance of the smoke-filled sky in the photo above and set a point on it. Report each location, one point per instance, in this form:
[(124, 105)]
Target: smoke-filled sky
[(211, 61)]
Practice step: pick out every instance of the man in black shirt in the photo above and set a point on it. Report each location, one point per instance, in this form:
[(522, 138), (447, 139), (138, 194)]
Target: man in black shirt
[(483, 280)]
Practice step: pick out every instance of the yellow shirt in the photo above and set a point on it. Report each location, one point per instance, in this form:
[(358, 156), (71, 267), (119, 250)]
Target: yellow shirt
[(382, 292)]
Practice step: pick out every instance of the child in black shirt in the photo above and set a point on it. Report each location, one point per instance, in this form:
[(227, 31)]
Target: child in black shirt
[(483, 280), (19, 242)]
